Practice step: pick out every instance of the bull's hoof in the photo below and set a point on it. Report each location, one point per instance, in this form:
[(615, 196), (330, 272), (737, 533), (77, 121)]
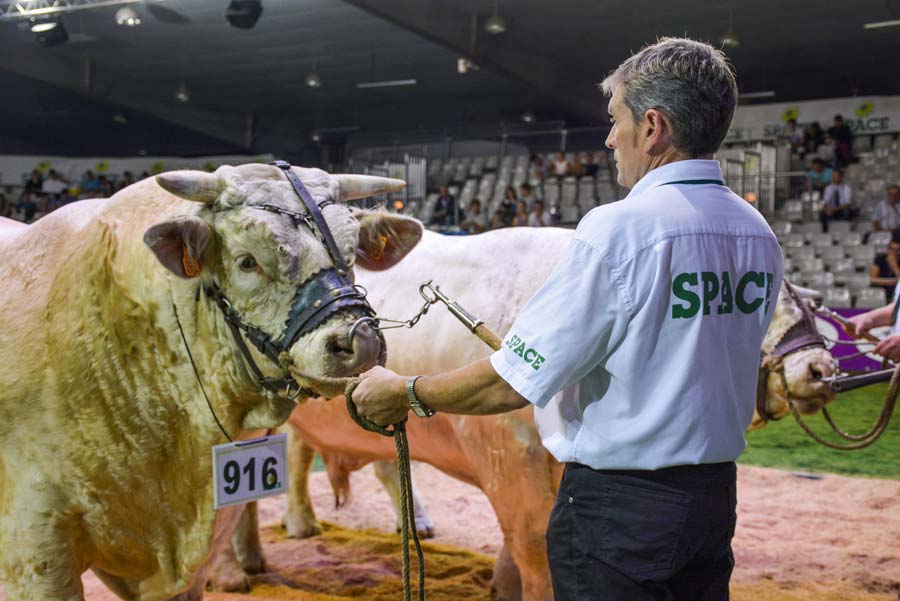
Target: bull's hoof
[(231, 581), (507, 582), (300, 530), (424, 533), (255, 563)]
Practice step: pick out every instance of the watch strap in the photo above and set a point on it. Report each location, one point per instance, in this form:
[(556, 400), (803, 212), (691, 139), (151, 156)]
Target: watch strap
[(419, 408)]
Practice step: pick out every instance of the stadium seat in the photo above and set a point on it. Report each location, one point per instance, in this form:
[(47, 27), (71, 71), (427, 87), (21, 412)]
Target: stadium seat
[(818, 280), (792, 210), (820, 240), (858, 281), (830, 254), (801, 252), (781, 228), (810, 266), (794, 241), (842, 270), (879, 239), (839, 228), (862, 255), (837, 298), (851, 239), (870, 298)]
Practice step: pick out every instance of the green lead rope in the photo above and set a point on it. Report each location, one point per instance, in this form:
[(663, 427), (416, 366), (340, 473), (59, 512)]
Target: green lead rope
[(407, 513)]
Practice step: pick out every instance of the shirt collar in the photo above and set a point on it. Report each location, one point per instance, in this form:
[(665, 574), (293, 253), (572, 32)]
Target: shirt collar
[(678, 171)]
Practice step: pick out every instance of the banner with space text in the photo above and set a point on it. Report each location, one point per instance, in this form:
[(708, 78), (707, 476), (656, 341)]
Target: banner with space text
[(865, 115)]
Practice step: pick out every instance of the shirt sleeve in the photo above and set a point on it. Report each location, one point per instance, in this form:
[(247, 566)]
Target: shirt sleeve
[(566, 329), (830, 191)]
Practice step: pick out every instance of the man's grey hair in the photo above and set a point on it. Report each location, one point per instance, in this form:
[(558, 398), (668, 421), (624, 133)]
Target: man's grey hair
[(688, 81)]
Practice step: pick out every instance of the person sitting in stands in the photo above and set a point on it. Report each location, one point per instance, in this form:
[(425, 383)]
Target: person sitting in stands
[(813, 137), (26, 208), (54, 184), (526, 193), (837, 202), (476, 221), (444, 209), (89, 182), (842, 139), (127, 180), (520, 219), (503, 216), (561, 167), (887, 213), (35, 182), (885, 268), (538, 218), (538, 169), (794, 136), (818, 176)]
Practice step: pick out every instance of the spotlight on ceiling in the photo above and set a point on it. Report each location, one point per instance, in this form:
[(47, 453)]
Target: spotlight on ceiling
[(464, 65), (49, 31), (127, 17), (528, 117), (243, 14), (316, 136), (729, 39), (181, 94), (120, 118), (495, 25), (313, 80)]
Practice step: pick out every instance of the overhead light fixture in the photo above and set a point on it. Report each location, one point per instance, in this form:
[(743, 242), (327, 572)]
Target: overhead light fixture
[(313, 80), (464, 65), (389, 83), (881, 24), (729, 39), (495, 25), (243, 14), (528, 117), (48, 31), (120, 119), (750, 95), (316, 136), (127, 17), (181, 94)]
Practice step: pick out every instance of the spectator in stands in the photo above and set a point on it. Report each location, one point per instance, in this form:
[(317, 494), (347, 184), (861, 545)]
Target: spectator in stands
[(819, 175), (842, 139), (887, 213), (510, 193), (526, 194), (89, 182), (144, 175), (505, 213), (794, 136), (838, 201), (886, 268), (5, 206), (54, 183), (520, 219), (586, 167), (444, 209), (54, 202), (127, 180), (538, 168), (561, 167), (35, 182), (538, 218), (26, 208), (813, 137), (476, 220), (105, 189)]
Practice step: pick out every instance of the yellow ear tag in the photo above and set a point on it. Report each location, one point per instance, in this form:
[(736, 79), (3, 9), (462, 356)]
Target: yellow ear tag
[(190, 264)]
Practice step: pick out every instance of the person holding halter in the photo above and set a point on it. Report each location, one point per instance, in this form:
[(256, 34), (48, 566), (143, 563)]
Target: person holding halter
[(640, 352)]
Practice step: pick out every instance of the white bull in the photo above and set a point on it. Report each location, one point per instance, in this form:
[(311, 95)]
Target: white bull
[(492, 275), (105, 436)]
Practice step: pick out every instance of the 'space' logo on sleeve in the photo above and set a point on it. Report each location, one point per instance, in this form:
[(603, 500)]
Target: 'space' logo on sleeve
[(707, 290), (528, 355)]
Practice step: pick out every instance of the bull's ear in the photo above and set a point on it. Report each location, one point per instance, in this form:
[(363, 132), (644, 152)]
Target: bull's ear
[(179, 244), (198, 186), (385, 238)]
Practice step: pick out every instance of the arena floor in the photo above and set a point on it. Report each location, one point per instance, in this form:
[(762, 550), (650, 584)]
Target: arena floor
[(832, 539)]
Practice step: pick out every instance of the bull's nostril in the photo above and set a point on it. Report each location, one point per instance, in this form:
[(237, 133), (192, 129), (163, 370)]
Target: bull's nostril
[(339, 345), (815, 372)]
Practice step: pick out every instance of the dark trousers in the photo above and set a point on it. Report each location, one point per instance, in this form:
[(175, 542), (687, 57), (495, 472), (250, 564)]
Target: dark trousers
[(843, 215), (661, 535)]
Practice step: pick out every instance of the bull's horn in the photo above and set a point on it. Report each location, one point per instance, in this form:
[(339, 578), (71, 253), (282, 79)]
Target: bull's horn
[(360, 186), (198, 186)]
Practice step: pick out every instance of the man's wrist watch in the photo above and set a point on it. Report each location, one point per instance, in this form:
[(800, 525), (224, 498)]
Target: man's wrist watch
[(415, 404)]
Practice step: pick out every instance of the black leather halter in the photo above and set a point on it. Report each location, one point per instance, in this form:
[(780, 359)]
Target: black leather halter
[(801, 335), (321, 296)]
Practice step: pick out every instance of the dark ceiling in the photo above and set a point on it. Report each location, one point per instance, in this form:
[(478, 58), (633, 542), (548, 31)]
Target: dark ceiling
[(247, 87)]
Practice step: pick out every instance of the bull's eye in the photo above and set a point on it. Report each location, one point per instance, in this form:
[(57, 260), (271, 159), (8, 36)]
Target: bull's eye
[(247, 263)]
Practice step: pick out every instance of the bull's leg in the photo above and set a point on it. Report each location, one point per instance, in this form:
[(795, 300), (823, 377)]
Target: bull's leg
[(507, 583), (246, 544), (39, 551), (225, 572), (386, 472), (299, 517), (520, 479)]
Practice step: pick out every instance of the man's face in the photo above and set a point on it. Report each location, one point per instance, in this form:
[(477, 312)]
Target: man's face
[(836, 177), (893, 194), (817, 167), (444, 191), (625, 141)]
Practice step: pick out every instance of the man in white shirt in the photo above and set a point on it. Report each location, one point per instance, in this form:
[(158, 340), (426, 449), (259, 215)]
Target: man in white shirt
[(889, 347), (538, 218), (837, 201), (640, 353), (887, 213)]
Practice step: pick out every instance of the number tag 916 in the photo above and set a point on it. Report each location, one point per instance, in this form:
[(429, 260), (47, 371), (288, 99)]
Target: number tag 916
[(247, 470)]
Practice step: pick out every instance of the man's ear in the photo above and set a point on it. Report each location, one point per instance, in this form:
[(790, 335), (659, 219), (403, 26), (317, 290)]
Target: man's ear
[(385, 238), (658, 132), (179, 244)]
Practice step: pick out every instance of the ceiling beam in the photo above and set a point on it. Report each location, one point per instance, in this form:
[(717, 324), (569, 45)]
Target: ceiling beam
[(506, 55)]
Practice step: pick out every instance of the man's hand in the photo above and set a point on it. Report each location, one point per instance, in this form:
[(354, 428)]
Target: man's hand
[(889, 348), (381, 396), (859, 325)]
